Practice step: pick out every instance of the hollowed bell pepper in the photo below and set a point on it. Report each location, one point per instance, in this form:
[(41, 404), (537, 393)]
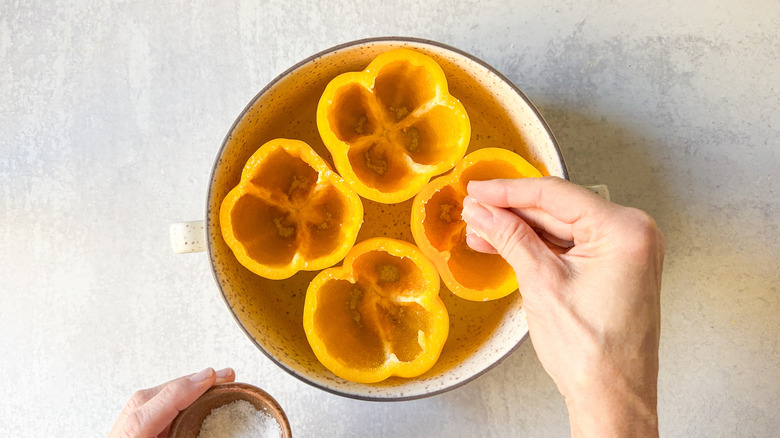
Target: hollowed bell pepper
[(440, 232), (378, 315), (289, 212), (392, 126)]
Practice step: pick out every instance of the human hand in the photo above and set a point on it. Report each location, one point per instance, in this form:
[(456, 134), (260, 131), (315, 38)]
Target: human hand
[(149, 412), (590, 274)]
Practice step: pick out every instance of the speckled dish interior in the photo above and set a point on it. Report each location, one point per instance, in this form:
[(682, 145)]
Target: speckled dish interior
[(270, 311)]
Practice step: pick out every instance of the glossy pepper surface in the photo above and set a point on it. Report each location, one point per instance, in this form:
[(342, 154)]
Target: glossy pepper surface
[(440, 232), (289, 212), (378, 315), (392, 126)]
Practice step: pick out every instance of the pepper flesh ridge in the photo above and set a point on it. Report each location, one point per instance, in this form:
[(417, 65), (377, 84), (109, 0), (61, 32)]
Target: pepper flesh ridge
[(378, 315), (440, 232), (392, 126)]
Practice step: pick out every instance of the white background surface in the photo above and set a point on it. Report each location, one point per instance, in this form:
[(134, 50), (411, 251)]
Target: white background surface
[(111, 114)]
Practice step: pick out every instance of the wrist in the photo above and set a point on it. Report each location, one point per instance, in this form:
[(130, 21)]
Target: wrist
[(613, 420), (611, 405)]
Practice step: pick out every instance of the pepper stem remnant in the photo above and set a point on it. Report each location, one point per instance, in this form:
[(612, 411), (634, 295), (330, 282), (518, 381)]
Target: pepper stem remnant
[(414, 138), (389, 274), (282, 230), (445, 212), (378, 166), (359, 128), (399, 112), (299, 183)]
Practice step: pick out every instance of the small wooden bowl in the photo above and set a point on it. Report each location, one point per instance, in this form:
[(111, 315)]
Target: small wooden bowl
[(187, 423)]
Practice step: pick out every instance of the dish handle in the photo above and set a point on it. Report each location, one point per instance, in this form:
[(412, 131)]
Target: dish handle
[(187, 237)]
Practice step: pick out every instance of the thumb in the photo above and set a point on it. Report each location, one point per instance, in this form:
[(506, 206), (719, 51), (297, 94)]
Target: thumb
[(512, 237), (157, 414)]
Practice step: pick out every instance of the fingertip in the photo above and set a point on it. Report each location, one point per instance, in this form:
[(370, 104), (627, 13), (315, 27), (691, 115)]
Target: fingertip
[(202, 376), (226, 375), (479, 244), (473, 187), (477, 216)]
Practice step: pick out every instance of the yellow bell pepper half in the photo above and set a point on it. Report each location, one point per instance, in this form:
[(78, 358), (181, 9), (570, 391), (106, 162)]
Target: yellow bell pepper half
[(440, 232), (289, 212), (393, 126), (378, 315)]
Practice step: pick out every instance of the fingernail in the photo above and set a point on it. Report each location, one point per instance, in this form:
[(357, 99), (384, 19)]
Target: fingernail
[(201, 376), (471, 184), (476, 215), (224, 373), (471, 231)]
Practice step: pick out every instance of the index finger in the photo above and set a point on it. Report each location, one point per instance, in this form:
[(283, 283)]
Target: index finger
[(155, 416), (144, 395), (563, 200)]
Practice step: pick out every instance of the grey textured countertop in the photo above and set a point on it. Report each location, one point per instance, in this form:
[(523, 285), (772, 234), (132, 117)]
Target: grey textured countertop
[(111, 114)]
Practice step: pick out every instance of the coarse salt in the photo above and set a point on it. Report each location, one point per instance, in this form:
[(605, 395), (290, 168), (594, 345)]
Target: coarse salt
[(239, 419)]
